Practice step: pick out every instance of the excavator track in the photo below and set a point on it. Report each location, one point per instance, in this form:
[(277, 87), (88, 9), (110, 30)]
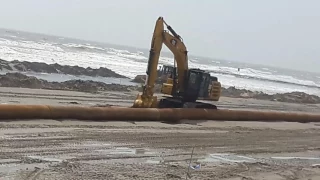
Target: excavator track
[(199, 105), (178, 103)]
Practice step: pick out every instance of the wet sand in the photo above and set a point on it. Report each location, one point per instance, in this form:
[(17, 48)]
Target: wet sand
[(49, 149)]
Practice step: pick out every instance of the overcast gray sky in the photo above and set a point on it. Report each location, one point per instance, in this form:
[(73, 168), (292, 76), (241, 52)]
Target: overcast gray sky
[(274, 32)]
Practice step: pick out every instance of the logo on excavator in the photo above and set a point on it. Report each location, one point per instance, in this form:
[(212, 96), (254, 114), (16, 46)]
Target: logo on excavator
[(173, 42)]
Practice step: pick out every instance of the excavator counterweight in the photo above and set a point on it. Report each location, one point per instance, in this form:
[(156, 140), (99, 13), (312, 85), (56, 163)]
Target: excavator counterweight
[(185, 86)]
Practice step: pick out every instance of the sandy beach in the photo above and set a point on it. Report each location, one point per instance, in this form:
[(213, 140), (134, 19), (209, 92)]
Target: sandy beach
[(50, 149)]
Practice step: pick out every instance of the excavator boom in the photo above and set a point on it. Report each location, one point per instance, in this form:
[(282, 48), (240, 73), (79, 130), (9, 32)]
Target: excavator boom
[(177, 47)]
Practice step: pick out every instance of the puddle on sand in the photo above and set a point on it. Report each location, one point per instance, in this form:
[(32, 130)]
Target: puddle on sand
[(153, 161), (226, 158), (232, 158), (48, 159), (6, 169), (34, 137), (315, 165), (124, 150), (7, 161), (94, 145), (296, 158), (211, 158)]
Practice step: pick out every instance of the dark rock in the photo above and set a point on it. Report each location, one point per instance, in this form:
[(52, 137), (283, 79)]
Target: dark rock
[(298, 97), (5, 66), (139, 79), (292, 97), (21, 80), (24, 66), (142, 79)]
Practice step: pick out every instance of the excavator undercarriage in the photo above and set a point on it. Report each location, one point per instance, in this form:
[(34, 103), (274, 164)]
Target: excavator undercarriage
[(170, 102)]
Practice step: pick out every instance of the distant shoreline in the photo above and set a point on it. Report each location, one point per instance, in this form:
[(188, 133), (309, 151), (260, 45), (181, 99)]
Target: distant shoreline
[(24, 81), (17, 79), (40, 67)]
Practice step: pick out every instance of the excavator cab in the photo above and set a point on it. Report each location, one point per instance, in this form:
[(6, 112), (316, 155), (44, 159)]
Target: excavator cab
[(165, 70), (193, 86), (205, 85)]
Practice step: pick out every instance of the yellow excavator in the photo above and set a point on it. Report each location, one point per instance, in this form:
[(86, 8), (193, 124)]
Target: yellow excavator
[(185, 86), (210, 89)]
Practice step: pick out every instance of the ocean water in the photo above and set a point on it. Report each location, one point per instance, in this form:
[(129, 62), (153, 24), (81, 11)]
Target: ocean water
[(129, 61), (54, 77)]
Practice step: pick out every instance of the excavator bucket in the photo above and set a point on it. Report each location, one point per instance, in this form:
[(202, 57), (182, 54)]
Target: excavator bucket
[(137, 102), (145, 102)]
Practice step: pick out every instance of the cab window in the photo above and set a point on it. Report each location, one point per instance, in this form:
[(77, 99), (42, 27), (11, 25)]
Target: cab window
[(193, 78)]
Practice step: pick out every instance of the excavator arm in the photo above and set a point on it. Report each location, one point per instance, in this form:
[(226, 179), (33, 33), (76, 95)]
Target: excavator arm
[(179, 51), (176, 46)]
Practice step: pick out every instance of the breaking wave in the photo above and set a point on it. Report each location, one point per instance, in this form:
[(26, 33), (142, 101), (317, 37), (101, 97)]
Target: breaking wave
[(131, 62)]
